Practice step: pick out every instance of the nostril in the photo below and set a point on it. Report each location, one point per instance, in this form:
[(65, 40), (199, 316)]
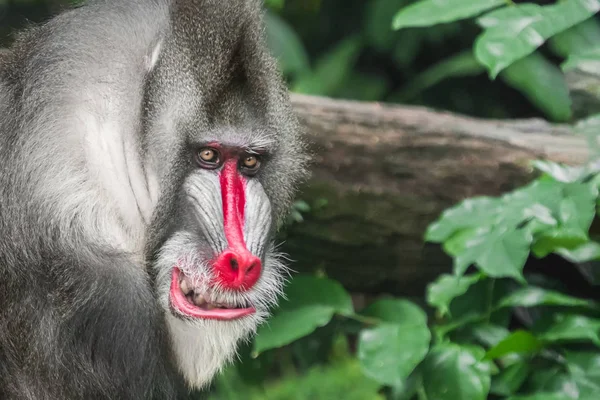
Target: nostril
[(234, 264), (251, 267), (238, 270)]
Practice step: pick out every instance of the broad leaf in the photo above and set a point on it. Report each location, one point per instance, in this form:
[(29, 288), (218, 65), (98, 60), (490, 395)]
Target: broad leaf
[(286, 46), (577, 39), (558, 238), (389, 352), (558, 172), (590, 127), (588, 251), (510, 379), (543, 396), (588, 61), (531, 296), (331, 71), (500, 253), (585, 370), (489, 334), (478, 303), (311, 303), (469, 213), (570, 327), (553, 382), (288, 326), (431, 12), (396, 311), (378, 20), (578, 207), (521, 342), (515, 32), (461, 64), (276, 4), (542, 83), (452, 372), (305, 290), (441, 292), (364, 87)]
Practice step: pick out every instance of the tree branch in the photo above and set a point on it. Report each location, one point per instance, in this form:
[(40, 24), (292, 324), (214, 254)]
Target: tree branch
[(388, 171)]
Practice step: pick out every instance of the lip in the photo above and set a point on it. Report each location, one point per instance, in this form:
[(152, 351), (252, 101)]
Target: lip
[(183, 306)]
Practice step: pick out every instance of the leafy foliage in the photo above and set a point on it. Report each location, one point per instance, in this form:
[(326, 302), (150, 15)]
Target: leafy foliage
[(475, 344), (512, 33)]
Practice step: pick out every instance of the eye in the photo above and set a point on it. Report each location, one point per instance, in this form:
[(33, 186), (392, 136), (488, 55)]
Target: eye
[(250, 163), (208, 157)]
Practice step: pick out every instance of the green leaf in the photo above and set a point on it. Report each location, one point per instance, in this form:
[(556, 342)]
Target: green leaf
[(378, 22), (478, 304), (576, 211), (489, 334), (521, 342), (558, 238), (542, 83), (532, 296), (577, 39), (288, 326), (461, 64), (309, 291), (275, 4), (558, 172), (390, 352), (441, 292), (578, 207), (499, 253), (588, 61), (311, 303), (542, 396), (364, 87), (286, 46), (472, 212), (396, 311), (585, 370), (552, 381), (515, 32), (452, 372), (331, 71), (431, 12), (302, 206), (510, 379), (542, 191), (570, 327), (587, 251), (590, 127)]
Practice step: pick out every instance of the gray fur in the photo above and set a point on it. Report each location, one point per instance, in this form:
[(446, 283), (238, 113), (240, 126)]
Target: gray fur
[(100, 110)]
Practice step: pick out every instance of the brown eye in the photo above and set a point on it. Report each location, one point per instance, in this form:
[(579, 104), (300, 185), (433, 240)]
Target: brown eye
[(208, 157), (250, 163)]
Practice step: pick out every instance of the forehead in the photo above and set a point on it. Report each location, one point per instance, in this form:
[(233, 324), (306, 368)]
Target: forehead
[(248, 138)]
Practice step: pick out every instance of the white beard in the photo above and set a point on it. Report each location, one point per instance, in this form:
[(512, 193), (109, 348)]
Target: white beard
[(203, 348)]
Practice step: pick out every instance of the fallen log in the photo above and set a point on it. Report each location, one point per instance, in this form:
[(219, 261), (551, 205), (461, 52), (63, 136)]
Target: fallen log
[(387, 171)]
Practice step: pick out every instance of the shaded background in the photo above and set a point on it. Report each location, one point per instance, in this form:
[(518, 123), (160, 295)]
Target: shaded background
[(346, 49), (350, 45)]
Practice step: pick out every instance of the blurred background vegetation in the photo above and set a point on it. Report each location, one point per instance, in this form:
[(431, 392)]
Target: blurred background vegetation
[(347, 49), (489, 332)]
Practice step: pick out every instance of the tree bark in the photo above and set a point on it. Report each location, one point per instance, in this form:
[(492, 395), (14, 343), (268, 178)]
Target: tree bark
[(386, 172)]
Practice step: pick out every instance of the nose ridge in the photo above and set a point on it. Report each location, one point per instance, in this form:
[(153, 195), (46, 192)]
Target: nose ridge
[(237, 269)]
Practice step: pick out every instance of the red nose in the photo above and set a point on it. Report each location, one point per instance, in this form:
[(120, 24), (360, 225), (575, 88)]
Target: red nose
[(237, 269)]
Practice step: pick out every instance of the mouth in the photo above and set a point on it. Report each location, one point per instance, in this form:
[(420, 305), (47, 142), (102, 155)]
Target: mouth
[(189, 301)]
